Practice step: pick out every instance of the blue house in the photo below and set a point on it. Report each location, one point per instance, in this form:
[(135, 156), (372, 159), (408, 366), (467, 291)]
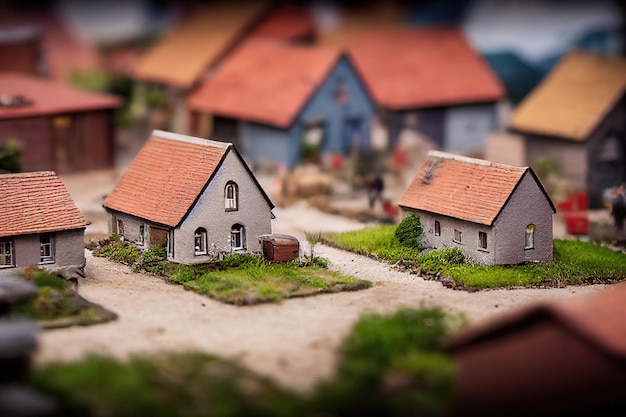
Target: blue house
[(430, 81), (282, 103)]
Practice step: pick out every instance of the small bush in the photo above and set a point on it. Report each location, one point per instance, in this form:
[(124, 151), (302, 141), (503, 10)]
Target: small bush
[(436, 260), (119, 251), (409, 232)]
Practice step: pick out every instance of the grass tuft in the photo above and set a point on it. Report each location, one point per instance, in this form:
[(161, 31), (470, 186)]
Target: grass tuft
[(575, 262)]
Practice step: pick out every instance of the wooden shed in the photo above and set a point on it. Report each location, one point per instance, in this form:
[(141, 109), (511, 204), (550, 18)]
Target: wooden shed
[(279, 248)]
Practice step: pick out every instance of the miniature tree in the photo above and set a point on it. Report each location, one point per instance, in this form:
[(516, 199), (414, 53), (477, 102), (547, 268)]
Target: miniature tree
[(409, 232)]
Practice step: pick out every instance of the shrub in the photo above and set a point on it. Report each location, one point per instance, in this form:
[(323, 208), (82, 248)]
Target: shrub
[(436, 260), (409, 232)]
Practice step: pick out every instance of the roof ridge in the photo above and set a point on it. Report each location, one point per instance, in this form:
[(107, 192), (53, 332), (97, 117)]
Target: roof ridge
[(189, 139), (29, 174), (467, 159)]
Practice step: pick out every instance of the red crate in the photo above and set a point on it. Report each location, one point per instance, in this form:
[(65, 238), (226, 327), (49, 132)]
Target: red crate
[(576, 223)]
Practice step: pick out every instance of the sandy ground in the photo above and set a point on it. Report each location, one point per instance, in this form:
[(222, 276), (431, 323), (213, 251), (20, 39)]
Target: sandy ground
[(293, 342)]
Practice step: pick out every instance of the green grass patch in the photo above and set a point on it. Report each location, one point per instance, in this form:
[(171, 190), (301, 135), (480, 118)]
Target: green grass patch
[(378, 242), (238, 279), (575, 262), (57, 304), (393, 366), (388, 366)]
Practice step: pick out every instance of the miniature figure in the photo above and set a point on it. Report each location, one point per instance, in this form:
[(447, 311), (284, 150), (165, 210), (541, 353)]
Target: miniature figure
[(494, 213), (196, 197)]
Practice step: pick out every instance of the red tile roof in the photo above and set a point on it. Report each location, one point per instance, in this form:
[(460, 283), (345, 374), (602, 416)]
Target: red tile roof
[(265, 81), (36, 202), (288, 22), (464, 188), (167, 176), (407, 68), (49, 97)]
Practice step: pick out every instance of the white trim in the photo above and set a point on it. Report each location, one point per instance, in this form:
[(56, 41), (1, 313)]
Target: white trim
[(189, 139)]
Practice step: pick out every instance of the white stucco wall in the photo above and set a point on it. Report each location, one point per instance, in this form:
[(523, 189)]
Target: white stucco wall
[(253, 213)]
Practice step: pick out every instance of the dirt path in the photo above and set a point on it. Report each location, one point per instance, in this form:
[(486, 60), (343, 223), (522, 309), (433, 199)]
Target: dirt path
[(293, 342)]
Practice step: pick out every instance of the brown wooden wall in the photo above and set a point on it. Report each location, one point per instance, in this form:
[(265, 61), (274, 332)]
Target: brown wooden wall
[(22, 57), (63, 143)]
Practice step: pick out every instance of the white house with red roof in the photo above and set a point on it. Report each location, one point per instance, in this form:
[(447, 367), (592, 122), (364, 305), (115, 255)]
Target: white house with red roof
[(494, 213), (197, 197), (40, 225)]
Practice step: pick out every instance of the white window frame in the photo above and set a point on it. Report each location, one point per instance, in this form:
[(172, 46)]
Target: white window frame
[(6, 254), (437, 228), (231, 196), (458, 236), (46, 248), (120, 227), (200, 241), (237, 233)]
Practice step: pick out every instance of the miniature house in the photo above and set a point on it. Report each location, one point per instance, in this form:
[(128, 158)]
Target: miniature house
[(281, 103), (57, 127), (40, 225), (557, 358), (494, 213), (429, 81), (177, 63), (576, 119), (197, 197)]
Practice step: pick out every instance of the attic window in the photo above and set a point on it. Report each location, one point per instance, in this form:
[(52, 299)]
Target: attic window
[(340, 94), (231, 197), (14, 100)]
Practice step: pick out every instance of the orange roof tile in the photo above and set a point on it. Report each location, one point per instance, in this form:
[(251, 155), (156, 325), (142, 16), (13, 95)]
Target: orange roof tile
[(49, 97), (36, 202), (167, 176), (464, 188), (423, 67), (288, 22), (182, 56), (574, 98), (265, 81)]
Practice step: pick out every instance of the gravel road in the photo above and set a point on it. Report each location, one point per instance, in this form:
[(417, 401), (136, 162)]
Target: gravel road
[(293, 342)]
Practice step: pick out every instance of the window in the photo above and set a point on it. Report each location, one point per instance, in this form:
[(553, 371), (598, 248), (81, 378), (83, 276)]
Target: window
[(236, 236), (530, 237), (46, 248), (231, 196), (170, 243), (437, 228), (482, 240), (458, 235), (6, 253), (120, 228), (141, 238), (199, 239)]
